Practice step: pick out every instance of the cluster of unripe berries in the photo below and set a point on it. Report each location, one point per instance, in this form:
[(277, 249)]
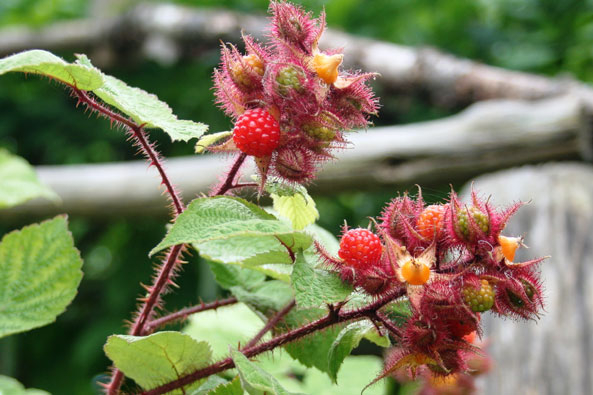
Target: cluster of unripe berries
[(290, 102), (452, 263)]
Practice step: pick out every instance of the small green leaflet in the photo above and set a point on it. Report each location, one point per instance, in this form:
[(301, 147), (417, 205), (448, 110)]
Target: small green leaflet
[(315, 287), (299, 209), (39, 275), (159, 358), (348, 339), (210, 139), (142, 107), (231, 230), (292, 202), (10, 386), (37, 61), (18, 182), (254, 379)]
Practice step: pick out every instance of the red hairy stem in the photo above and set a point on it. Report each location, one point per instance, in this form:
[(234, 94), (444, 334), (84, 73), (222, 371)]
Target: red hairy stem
[(228, 183), (184, 313), (138, 132), (271, 324), (391, 327), (172, 259), (334, 316)]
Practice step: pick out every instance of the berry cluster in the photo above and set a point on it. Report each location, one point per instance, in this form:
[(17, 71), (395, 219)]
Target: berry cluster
[(312, 101), (453, 264)]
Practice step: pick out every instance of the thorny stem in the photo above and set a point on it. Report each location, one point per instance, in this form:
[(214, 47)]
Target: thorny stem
[(138, 132), (244, 185), (228, 183), (270, 324), (172, 258), (333, 317), (391, 327), (184, 313)]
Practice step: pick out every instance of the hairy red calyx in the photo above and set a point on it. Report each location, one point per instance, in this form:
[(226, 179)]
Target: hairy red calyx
[(313, 100), (453, 264)]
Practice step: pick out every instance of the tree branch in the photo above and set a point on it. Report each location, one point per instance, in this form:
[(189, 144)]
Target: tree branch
[(166, 32), (486, 137)]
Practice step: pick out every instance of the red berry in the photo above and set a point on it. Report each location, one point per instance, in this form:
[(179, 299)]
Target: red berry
[(256, 133), (430, 221), (360, 248)]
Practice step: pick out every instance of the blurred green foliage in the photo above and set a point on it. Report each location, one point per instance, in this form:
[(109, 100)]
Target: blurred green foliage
[(39, 122)]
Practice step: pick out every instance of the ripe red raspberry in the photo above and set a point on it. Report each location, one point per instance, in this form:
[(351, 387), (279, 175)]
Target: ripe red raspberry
[(256, 133), (430, 221), (360, 248)]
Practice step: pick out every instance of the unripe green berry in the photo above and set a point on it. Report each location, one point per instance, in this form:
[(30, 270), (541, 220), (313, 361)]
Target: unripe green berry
[(479, 300), (287, 78), (529, 289), (319, 132), (516, 299), (462, 226)]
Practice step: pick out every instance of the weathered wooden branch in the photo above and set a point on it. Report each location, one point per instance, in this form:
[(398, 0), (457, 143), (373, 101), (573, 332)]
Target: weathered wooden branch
[(553, 355), (487, 136), (166, 32)]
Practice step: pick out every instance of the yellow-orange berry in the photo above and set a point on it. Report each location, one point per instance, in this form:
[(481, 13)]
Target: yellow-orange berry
[(415, 273), (430, 221), (240, 76)]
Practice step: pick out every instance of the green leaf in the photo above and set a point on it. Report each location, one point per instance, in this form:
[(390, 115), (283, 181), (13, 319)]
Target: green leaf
[(210, 139), (327, 239), (315, 287), (399, 311), (231, 230), (10, 386), (292, 201), (254, 379), (18, 181), (348, 339), (159, 358), (299, 209), (356, 373), (229, 276), (144, 108), (216, 385), (312, 350), (224, 327), (39, 275), (266, 298), (37, 61)]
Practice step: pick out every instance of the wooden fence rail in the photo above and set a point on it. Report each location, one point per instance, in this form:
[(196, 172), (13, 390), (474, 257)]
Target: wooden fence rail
[(489, 135)]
